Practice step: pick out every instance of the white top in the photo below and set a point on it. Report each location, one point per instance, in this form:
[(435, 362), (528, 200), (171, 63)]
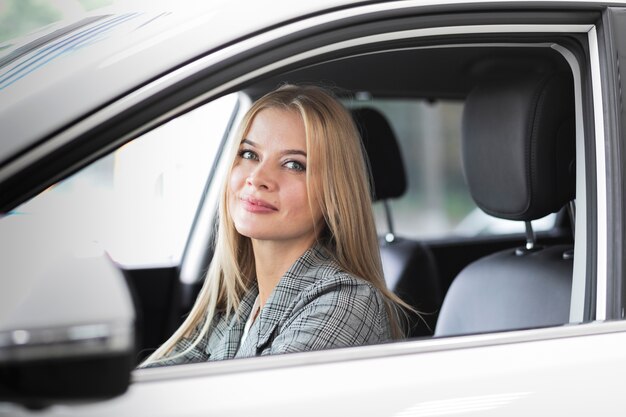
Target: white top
[(253, 314)]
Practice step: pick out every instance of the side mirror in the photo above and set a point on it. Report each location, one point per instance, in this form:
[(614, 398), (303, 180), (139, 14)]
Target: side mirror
[(67, 334)]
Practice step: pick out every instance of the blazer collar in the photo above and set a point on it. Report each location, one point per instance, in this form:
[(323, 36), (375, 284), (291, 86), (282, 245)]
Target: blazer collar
[(229, 330), (301, 275)]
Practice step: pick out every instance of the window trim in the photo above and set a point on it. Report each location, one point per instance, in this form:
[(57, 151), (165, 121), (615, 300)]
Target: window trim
[(611, 30), (600, 179)]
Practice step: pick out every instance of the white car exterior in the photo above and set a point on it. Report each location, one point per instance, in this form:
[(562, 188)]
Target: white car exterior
[(539, 371), (569, 370)]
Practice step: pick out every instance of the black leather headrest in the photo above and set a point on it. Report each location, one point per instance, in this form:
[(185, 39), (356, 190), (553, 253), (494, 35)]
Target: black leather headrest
[(383, 153), (519, 145)]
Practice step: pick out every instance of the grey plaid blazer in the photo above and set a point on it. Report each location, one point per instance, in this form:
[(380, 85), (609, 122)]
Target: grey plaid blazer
[(315, 306)]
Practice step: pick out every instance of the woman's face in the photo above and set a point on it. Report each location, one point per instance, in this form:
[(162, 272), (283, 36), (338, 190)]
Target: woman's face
[(267, 193)]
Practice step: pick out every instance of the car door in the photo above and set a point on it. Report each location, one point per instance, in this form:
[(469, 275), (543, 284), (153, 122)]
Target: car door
[(514, 372)]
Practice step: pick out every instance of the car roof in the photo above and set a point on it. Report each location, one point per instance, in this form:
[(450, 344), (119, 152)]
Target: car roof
[(54, 77), (51, 78)]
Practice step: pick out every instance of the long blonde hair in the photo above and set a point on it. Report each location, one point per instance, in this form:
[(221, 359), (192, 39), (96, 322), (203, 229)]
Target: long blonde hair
[(335, 157)]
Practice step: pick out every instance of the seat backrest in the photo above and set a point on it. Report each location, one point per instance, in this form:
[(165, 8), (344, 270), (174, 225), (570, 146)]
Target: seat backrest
[(518, 156), (409, 266)]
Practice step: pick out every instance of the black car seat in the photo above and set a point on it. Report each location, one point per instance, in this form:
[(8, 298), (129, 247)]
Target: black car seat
[(409, 266), (518, 154)]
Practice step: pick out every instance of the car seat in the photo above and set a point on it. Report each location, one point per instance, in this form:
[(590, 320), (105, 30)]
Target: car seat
[(409, 266), (518, 155)]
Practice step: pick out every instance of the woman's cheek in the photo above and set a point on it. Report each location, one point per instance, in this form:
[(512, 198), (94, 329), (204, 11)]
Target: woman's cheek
[(237, 178)]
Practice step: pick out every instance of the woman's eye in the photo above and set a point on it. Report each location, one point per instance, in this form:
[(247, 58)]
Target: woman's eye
[(295, 165), (246, 154)]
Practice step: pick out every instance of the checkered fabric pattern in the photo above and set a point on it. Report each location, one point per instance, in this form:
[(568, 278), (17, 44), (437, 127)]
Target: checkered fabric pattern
[(315, 306)]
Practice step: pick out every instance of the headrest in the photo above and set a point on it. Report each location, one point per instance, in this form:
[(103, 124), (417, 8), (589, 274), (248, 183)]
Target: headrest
[(519, 145), (383, 153)]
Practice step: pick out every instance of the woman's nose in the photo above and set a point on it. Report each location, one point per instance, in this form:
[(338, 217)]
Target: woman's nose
[(261, 178)]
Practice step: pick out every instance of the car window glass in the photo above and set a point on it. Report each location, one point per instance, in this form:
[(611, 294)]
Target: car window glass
[(138, 202), (437, 202)]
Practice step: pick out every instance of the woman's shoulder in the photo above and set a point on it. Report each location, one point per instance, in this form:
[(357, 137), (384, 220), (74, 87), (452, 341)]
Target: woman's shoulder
[(342, 300), (318, 286), (329, 270), (332, 278)]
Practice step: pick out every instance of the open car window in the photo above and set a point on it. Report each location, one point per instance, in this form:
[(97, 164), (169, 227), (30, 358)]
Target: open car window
[(144, 201)]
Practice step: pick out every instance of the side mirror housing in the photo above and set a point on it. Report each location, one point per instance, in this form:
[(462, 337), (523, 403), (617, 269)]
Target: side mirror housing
[(67, 335)]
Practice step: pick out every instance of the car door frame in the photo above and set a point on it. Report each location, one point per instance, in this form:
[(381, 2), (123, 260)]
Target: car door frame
[(612, 52)]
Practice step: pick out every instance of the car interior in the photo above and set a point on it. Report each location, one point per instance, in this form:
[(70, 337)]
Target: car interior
[(505, 120), (518, 160)]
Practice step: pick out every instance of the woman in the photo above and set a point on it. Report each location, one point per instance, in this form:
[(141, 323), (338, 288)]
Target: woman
[(296, 265)]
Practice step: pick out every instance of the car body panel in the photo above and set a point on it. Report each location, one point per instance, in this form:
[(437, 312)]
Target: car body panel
[(536, 371), (124, 50), (549, 376), (115, 55)]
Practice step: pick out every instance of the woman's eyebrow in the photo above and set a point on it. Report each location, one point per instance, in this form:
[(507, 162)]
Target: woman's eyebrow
[(293, 152), (284, 152)]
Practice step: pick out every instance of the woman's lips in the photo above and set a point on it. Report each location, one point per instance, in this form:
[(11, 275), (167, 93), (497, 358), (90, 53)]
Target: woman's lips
[(256, 205)]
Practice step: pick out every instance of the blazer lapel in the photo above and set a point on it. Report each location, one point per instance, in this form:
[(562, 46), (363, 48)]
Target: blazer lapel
[(230, 329), (279, 305)]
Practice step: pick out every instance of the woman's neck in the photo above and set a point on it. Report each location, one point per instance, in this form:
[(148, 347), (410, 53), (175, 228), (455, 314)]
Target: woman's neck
[(272, 259)]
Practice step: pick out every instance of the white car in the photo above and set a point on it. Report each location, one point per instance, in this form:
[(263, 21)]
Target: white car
[(112, 127)]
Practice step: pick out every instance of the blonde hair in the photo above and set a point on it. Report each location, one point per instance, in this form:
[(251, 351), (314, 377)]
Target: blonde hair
[(335, 157)]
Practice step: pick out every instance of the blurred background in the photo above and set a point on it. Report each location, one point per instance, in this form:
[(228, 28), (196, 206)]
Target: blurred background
[(20, 17)]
